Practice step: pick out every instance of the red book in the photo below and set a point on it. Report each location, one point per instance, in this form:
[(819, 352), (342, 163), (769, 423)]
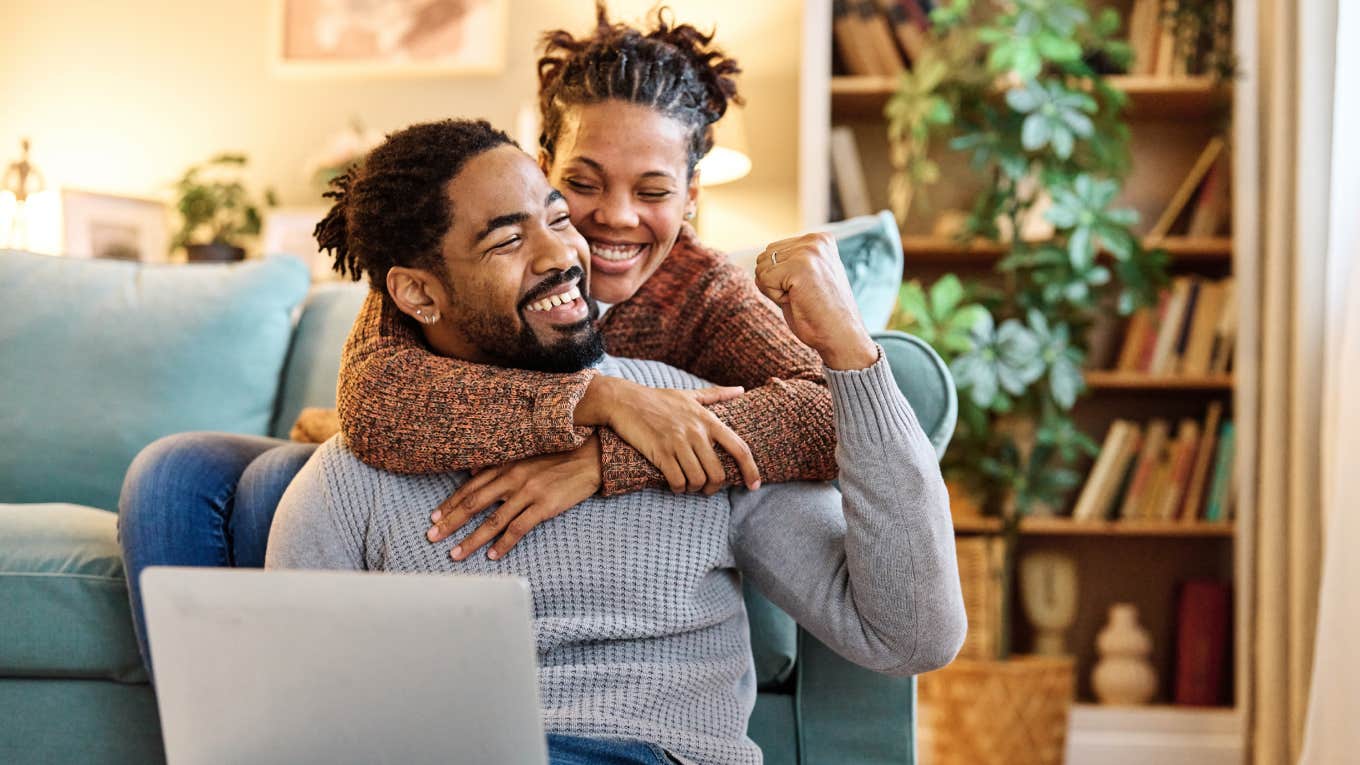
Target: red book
[(1202, 643)]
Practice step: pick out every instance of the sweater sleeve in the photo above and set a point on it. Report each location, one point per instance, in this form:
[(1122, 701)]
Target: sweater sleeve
[(310, 530), (870, 569), (405, 409), (725, 332)]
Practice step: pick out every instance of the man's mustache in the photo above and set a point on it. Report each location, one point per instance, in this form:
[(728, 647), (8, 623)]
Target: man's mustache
[(551, 282)]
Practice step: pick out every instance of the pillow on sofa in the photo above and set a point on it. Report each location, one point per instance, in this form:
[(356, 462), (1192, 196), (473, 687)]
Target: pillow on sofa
[(99, 358)]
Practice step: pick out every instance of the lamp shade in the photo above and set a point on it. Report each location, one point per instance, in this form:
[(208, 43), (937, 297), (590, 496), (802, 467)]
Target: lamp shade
[(730, 158)]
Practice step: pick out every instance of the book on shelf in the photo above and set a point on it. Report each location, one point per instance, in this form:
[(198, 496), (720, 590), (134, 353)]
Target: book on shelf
[(1149, 455), (1203, 631), (1168, 332), (1189, 333), (1144, 25), (887, 61), (1108, 472), (1217, 505), (1213, 205), (1180, 464), (847, 170), (910, 22), (1225, 332), (1192, 182), (852, 40), (1204, 454)]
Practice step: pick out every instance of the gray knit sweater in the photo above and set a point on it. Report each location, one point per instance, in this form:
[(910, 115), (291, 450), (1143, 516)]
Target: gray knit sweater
[(638, 612)]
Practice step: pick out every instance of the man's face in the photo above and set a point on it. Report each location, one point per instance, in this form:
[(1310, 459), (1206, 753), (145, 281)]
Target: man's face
[(517, 268)]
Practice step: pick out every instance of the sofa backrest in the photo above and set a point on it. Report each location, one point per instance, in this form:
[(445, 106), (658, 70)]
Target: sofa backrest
[(98, 358)]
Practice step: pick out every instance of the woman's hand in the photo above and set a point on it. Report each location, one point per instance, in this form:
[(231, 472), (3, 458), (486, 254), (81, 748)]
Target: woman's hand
[(672, 429), (804, 276), (530, 492)]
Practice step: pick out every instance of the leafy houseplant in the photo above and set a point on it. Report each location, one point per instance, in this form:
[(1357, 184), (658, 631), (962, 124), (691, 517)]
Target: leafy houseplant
[(219, 214), (1015, 86)]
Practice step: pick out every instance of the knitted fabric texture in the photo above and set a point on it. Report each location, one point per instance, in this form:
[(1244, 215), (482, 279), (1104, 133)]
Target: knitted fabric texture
[(638, 611), (407, 410)]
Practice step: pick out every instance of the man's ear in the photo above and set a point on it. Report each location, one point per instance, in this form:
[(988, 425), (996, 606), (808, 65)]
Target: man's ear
[(416, 293)]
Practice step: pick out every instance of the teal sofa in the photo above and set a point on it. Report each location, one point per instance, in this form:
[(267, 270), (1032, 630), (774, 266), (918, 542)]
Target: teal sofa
[(99, 358)]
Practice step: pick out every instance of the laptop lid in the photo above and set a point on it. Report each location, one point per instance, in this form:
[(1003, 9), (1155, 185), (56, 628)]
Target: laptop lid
[(328, 667)]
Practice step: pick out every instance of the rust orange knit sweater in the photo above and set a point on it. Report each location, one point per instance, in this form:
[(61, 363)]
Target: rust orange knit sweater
[(407, 410)]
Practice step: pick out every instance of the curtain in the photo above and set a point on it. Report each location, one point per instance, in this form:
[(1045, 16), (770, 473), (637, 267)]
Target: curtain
[(1330, 734), (1289, 313)]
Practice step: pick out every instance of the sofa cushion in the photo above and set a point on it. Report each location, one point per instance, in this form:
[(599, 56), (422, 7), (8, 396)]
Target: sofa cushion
[(102, 357), (314, 359), (63, 596)]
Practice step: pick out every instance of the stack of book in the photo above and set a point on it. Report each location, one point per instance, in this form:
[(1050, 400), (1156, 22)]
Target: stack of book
[(879, 37), (1164, 48), (1149, 472), (1190, 332)]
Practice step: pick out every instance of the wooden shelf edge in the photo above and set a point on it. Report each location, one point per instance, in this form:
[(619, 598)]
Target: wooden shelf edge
[(1069, 527), (938, 249), (1100, 379)]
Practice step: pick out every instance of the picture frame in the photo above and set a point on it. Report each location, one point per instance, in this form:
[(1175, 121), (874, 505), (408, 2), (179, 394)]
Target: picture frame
[(363, 38), (114, 227), (290, 230)]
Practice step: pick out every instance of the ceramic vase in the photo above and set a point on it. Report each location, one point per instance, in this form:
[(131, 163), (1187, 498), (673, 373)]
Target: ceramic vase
[(1124, 675)]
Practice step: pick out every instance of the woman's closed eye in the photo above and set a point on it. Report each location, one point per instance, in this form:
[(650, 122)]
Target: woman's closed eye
[(580, 186)]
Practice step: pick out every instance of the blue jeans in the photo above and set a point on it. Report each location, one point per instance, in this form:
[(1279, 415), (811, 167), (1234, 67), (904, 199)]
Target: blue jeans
[(201, 499), (576, 750)]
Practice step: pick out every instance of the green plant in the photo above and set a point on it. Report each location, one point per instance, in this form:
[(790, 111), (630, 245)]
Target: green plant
[(1012, 85), (214, 205)]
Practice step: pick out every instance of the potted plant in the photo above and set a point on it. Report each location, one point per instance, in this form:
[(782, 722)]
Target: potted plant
[(1018, 86), (218, 213)]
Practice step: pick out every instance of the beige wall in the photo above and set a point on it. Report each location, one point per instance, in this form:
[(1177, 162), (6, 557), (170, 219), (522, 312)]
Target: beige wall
[(122, 96)]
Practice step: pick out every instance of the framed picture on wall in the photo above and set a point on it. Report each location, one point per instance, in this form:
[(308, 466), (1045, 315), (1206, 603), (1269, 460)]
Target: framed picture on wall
[(116, 227), (328, 38), (290, 230)]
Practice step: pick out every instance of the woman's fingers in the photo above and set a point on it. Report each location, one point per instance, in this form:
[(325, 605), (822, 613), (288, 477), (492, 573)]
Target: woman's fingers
[(493, 490), (717, 395), (695, 477), (735, 446), (492, 525)]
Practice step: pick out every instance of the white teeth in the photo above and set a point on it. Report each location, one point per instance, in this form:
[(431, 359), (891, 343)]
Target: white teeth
[(552, 301), (616, 252)]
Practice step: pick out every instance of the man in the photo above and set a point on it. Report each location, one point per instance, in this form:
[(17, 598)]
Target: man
[(641, 631)]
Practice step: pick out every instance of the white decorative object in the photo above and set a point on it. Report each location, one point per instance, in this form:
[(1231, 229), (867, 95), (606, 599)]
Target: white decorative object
[(1124, 675), (1048, 593), (112, 226), (290, 231)]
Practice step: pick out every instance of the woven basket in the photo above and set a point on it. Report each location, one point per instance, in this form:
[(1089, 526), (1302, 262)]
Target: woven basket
[(981, 559), (996, 712)]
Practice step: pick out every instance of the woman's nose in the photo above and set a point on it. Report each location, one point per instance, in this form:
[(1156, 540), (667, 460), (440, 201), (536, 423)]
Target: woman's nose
[(616, 211)]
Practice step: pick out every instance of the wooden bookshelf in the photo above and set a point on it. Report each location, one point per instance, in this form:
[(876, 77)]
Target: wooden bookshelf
[(1191, 98), (1103, 379), (1061, 526), (944, 251)]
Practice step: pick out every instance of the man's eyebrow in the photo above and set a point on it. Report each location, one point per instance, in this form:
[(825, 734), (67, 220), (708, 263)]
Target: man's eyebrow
[(597, 167), (509, 219)]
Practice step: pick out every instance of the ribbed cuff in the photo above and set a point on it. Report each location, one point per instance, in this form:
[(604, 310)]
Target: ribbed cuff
[(554, 411), (868, 404)]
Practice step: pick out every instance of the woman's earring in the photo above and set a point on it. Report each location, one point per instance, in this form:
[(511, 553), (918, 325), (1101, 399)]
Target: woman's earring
[(689, 215)]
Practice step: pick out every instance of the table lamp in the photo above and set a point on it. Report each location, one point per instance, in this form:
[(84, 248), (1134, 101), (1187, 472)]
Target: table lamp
[(29, 214)]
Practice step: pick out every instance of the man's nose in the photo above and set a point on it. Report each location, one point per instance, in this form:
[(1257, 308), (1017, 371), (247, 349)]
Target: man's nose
[(616, 210), (555, 254)]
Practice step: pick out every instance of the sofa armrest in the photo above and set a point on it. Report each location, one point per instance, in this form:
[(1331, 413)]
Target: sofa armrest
[(850, 714)]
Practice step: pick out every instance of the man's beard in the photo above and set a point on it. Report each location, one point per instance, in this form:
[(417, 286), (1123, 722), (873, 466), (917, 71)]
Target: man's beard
[(579, 346)]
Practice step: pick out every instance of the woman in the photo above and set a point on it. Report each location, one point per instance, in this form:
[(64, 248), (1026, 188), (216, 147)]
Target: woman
[(627, 114)]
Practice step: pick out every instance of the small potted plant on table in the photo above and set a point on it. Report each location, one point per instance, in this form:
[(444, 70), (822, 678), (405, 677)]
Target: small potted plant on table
[(218, 212)]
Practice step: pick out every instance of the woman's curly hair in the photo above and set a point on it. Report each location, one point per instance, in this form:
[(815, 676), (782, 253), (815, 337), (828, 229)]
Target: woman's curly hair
[(673, 68), (393, 209)]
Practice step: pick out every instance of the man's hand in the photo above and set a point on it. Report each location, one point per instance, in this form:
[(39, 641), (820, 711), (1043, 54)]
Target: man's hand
[(530, 492), (315, 425), (804, 276), (672, 429)]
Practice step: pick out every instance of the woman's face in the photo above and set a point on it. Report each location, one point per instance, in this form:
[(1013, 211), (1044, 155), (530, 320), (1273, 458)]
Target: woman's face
[(623, 169)]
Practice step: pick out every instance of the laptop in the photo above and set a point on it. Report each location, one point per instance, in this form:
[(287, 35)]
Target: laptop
[(343, 667)]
